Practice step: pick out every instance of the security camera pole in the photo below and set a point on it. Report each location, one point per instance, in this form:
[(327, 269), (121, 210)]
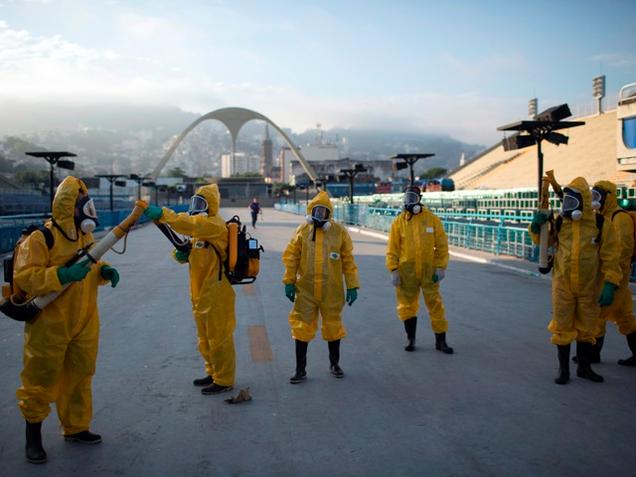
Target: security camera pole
[(54, 158), (350, 175), (139, 180), (409, 161), (536, 130)]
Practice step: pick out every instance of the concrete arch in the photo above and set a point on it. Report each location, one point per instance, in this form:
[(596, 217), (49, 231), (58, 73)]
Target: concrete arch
[(234, 119)]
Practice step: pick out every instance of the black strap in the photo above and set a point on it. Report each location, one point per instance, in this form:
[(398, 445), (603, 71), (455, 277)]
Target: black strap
[(218, 254), (48, 237)]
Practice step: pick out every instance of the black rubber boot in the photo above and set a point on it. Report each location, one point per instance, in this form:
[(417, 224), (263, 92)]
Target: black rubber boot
[(207, 381), (584, 370), (595, 356), (334, 359), (84, 437), (301, 362), (440, 343), (215, 389), (631, 342), (35, 453), (563, 352), (410, 326)]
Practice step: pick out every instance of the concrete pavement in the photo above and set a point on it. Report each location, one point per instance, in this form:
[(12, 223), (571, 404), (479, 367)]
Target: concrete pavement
[(489, 409)]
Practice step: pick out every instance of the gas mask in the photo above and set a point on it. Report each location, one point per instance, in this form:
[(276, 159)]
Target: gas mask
[(86, 216), (572, 207), (320, 217), (198, 205), (412, 200), (598, 198)]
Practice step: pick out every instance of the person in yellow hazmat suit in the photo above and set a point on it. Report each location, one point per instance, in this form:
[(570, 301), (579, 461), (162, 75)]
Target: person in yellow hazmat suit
[(417, 257), (211, 293), (318, 256), (60, 343), (621, 311), (585, 276)]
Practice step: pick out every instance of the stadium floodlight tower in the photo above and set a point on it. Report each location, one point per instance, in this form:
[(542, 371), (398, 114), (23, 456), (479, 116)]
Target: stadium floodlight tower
[(350, 175), (111, 179), (409, 160), (542, 127), (54, 159)]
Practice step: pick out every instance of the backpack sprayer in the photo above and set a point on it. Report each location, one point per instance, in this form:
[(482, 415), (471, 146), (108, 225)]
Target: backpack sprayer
[(243, 253), (18, 307)]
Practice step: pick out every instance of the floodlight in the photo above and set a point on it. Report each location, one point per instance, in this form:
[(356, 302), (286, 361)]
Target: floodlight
[(555, 113), (65, 164), (518, 141), (557, 138)]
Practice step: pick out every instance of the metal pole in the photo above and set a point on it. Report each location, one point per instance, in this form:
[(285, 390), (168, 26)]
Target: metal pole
[(540, 166), (138, 190), (351, 179), (157, 195), (411, 164), (51, 183), (111, 194)]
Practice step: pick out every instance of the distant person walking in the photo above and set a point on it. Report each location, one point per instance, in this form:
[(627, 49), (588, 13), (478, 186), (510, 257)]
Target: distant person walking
[(255, 209)]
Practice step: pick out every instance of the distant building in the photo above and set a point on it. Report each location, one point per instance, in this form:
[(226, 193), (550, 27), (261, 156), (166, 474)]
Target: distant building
[(284, 167), (268, 157), (240, 164)]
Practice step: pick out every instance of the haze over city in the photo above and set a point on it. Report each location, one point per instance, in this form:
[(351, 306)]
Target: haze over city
[(457, 68)]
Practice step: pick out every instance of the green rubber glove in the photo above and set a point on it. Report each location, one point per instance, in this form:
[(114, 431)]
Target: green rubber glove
[(181, 257), (290, 291), (607, 295), (538, 220), (110, 274), (74, 273), (153, 212), (352, 295)]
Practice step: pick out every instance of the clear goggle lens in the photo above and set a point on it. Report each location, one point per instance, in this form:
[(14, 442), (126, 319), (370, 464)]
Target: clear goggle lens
[(411, 198), (570, 203), (197, 205), (320, 212), (88, 208)]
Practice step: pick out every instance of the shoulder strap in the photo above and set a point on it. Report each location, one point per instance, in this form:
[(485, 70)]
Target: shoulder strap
[(618, 211), (48, 236), (600, 220), (218, 255)]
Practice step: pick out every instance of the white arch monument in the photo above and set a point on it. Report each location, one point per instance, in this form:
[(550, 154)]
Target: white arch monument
[(234, 119)]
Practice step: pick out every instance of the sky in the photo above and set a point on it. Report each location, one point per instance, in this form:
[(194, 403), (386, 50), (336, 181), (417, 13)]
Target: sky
[(460, 68)]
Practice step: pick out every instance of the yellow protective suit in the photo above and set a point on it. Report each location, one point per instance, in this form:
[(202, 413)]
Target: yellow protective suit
[(621, 311), (580, 268), (417, 247), (212, 296), (60, 344), (316, 268)]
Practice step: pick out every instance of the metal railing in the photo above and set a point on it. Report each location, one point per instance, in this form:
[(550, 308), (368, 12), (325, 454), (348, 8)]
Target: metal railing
[(11, 226), (493, 234)]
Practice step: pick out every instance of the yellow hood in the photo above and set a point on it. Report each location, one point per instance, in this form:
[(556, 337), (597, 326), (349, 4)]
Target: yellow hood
[(211, 193), (581, 186), (64, 203), (611, 203), (322, 198)]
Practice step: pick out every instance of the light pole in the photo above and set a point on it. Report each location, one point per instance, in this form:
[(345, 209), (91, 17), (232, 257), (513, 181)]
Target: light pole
[(409, 160), (542, 127), (140, 181), (350, 175), (54, 158), (111, 179)]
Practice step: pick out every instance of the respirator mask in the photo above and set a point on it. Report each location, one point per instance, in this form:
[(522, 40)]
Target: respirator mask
[(572, 207), (412, 199), (198, 205), (86, 218)]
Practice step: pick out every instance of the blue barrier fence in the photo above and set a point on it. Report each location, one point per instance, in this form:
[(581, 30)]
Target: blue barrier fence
[(489, 234), (11, 226)]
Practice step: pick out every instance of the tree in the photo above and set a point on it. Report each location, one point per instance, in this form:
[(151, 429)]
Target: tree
[(177, 172), (434, 173), (247, 174), (33, 179)]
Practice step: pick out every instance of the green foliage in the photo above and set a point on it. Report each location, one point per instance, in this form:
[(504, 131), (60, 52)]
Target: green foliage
[(32, 179), (248, 174), (434, 173), (176, 172)]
